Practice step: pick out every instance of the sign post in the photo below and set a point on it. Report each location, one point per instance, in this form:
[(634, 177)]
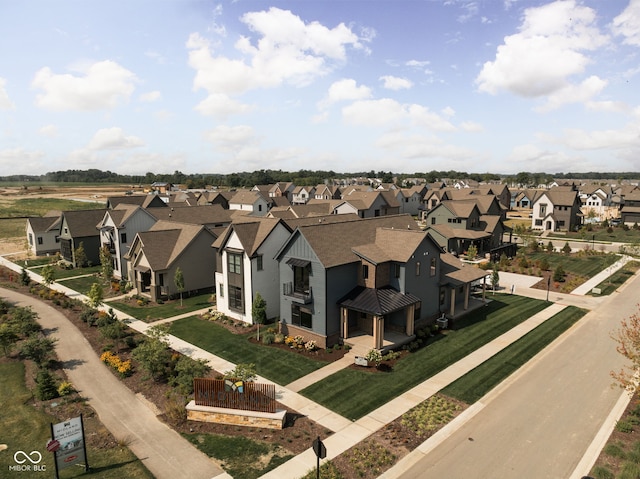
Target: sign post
[(321, 453), (68, 444)]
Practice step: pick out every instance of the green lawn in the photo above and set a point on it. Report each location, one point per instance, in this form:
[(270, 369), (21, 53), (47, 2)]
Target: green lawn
[(587, 265), (476, 383), (618, 235), (354, 393), (39, 206), (153, 312), (281, 367), (25, 428), (83, 284), (242, 458), (616, 280)]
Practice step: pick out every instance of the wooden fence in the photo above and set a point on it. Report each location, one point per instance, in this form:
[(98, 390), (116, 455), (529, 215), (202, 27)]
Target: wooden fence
[(232, 394)]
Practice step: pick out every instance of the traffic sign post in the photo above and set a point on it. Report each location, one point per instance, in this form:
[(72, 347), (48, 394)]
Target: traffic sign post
[(321, 453)]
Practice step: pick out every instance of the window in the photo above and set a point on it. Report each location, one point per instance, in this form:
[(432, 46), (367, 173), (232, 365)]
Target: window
[(30, 239), (234, 262), (538, 222), (123, 238), (40, 241), (433, 220), (396, 270), (57, 239), (221, 290), (433, 267), (259, 265), (301, 316), (301, 279), (235, 298), (417, 268), (365, 271), (543, 209), (161, 279)]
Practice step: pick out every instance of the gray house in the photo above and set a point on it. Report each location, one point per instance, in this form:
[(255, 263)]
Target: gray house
[(80, 228), (43, 233)]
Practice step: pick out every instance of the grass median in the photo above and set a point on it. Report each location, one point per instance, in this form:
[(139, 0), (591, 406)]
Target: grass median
[(353, 393), (479, 381)]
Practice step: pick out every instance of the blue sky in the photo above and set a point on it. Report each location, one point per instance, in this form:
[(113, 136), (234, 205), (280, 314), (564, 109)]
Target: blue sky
[(498, 86)]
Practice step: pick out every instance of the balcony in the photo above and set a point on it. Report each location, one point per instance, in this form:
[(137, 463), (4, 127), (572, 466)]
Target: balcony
[(300, 295)]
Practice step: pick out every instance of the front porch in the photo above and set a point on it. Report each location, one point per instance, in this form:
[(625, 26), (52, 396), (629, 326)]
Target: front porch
[(361, 342)]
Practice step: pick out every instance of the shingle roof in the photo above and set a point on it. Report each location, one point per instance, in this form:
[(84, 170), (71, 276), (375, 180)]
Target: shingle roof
[(251, 234), (454, 271), (165, 241), (196, 215), (391, 245), (44, 223), (461, 233), (377, 301), (82, 223), (333, 243)]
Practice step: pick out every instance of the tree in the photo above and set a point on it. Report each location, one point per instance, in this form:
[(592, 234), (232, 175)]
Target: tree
[(186, 371), (178, 279), (495, 279), (153, 353), (48, 275), (242, 372), (558, 274), (628, 338), (25, 279), (106, 263), (80, 256), (95, 295), (259, 309), (566, 249), (544, 264), (472, 251), (8, 337), (114, 331), (37, 348), (45, 385), (550, 247)]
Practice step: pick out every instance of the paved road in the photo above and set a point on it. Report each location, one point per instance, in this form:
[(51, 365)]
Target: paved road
[(540, 422), (162, 450)]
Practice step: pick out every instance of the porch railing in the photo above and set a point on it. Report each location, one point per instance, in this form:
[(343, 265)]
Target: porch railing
[(288, 289)]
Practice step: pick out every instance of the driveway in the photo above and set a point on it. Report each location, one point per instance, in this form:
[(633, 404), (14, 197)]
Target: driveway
[(162, 450)]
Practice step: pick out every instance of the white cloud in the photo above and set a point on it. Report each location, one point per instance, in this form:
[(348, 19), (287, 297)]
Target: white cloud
[(419, 146), (113, 139), (231, 138), (627, 23), (581, 93), (578, 139), (5, 102), (17, 161), (395, 83), (387, 112), (530, 157), (150, 97), (221, 106), (417, 63), (471, 126), (286, 51), (546, 53), (50, 131), (103, 85), (344, 90)]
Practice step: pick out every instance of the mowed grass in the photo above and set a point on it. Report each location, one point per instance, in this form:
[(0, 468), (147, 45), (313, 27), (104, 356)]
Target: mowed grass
[(478, 382), (585, 265), (25, 428), (354, 393), (618, 278), (152, 311), (82, 284), (281, 367)]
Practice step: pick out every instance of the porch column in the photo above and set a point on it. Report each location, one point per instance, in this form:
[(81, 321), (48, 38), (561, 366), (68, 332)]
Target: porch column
[(378, 331), (452, 309), (466, 296), (344, 322), (484, 287), (410, 321)]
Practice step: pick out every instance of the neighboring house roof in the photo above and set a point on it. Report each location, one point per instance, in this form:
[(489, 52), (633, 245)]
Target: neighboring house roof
[(391, 245), (454, 271), (165, 241), (43, 224), (209, 215), (560, 197), (314, 220), (379, 301), (247, 197), (459, 233), (251, 234), (333, 243), (280, 201), (82, 223), (462, 209)]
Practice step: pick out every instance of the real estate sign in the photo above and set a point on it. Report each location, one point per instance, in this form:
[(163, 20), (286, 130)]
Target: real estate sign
[(71, 450)]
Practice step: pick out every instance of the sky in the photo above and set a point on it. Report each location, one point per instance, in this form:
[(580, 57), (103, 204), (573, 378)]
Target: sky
[(500, 86)]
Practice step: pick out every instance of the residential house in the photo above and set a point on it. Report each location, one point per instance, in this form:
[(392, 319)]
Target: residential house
[(80, 228), (211, 216), (118, 228), (410, 199), (215, 198), (145, 201), (327, 192), (161, 187), (155, 256), (378, 276), (251, 201), (246, 266), (557, 209), (370, 204), (630, 210), (43, 233), (302, 194)]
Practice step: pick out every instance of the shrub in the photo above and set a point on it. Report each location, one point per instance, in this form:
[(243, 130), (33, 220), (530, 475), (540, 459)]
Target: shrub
[(624, 426), (268, 338), (45, 385), (65, 388), (186, 370), (310, 345), (566, 249), (278, 338), (123, 368), (558, 274)]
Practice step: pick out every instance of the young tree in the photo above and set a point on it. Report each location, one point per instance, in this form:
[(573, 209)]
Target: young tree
[(472, 251), (80, 256), (37, 348), (178, 279), (628, 338), (495, 279), (8, 337), (550, 247), (259, 309), (566, 249), (558, 274), (106, 264), (114, 331), (242, 372), (95, 295), (153, 353), (45, 385), (186, 371), (48, 275), (25, 279)]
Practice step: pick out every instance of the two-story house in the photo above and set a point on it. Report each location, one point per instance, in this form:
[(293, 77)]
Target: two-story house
[(302, 194), (80, 228), (372, 275), (43, 233), (251, 201), (557, 209)]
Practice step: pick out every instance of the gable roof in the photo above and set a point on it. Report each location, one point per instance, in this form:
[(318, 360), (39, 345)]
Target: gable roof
[(251, 234), (333, 243), (43, 224), (453, 271), (391, 245), (209, 215), (82, 223)]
